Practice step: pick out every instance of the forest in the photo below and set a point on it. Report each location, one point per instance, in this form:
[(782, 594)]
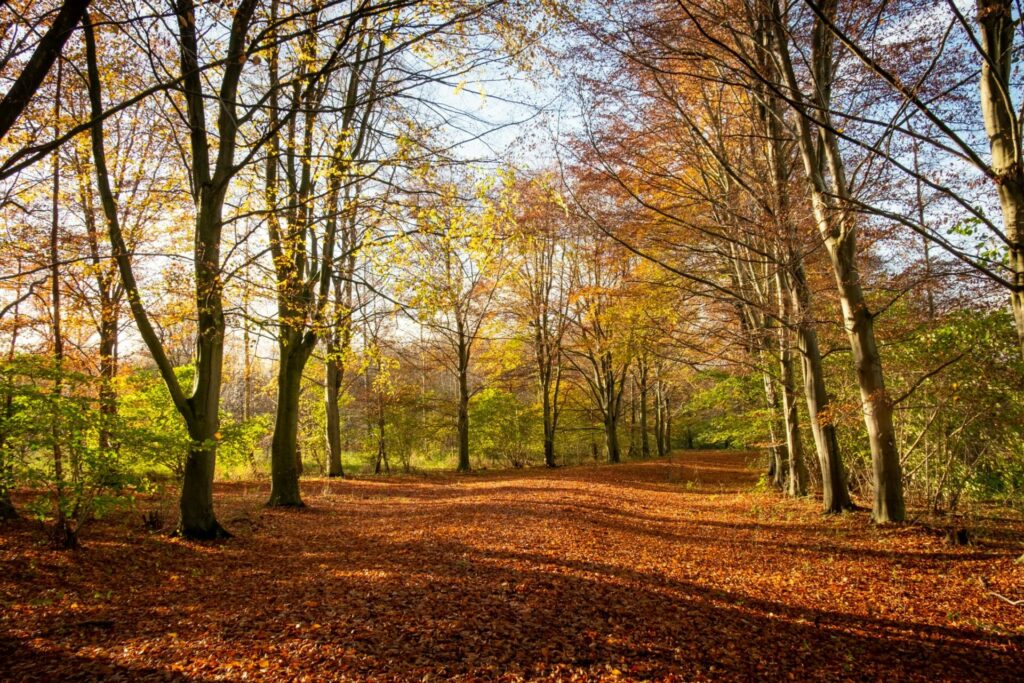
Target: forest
[(511, 339)]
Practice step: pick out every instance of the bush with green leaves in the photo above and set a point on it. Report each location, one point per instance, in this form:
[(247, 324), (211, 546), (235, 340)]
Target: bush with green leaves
[(960, 410), (503, 429), (50, 440)]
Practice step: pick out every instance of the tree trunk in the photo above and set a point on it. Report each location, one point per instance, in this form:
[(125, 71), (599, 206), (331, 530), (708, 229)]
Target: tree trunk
[(198, 521), (797, 483), (836, 222), (659, 418), (835, 494), (998, 28), (645, 438), (463, 419), (332, 392), (108, 371), (549, 426), (284, 458), (612, 437), (776, 466), (667, 419), (877, 407)]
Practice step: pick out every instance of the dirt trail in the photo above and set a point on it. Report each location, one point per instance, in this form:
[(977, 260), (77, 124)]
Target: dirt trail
[(667, 570)]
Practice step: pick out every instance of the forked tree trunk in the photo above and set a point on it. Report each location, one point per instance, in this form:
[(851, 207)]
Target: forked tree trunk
[(836, 223)]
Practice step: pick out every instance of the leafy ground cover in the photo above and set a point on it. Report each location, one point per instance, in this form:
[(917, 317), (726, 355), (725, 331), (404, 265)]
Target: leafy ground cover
[(669, 570)]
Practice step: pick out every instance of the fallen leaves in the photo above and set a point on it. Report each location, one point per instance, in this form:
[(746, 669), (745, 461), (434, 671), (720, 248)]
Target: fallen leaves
[(599, 573)]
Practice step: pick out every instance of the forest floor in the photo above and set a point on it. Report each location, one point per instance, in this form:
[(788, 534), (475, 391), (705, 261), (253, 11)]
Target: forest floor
[(666, 570)]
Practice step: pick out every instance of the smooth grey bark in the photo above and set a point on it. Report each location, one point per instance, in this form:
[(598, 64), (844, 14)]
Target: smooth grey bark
[(659, 417), (796, 483), (836, 223), (834, 489), (793, 280), (776, 463), (998, 32)]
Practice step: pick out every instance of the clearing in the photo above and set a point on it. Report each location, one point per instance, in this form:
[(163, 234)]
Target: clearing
[(669, 569)]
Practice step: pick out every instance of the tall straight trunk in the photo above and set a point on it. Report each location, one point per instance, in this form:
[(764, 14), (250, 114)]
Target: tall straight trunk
[(794, 286), (998, 29), (631, 453), (877, 406), (645, 437), (835, 493), (836, 222), (667, 422), (549, 425), (284, 466), (106, 287), (463, 419), (612, 405), (7, 509), (776, 462), (64, 533), (659, 419), (382, 448), (108, 372), (332, 393), (611, 433), (796, 481), (796, 484)]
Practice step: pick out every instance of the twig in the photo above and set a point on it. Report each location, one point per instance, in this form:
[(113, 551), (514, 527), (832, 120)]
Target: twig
[(1015, 603)]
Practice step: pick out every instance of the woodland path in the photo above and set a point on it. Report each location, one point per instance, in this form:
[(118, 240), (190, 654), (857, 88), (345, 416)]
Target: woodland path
[(667, 570)]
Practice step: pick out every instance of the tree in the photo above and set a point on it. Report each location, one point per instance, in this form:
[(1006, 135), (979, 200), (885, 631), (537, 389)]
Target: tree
[(210, 175), (542, 291), (454, 262)]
